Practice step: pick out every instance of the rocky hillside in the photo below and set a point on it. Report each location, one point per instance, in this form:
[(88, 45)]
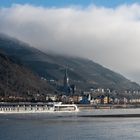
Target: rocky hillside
[(82, 72)]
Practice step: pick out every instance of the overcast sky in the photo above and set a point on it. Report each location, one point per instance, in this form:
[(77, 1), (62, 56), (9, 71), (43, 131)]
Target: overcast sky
[(109, 36)]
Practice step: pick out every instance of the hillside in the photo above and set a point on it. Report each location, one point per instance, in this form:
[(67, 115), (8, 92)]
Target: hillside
[(82, 72), (15, 80)]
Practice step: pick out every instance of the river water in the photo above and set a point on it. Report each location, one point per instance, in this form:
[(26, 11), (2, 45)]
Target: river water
[(67, 126)]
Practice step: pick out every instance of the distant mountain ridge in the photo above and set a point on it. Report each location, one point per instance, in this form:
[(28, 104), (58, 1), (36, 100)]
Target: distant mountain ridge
[(82, 72)]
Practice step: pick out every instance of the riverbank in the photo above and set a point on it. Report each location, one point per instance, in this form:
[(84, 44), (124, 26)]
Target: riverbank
[(107, 106), (112, 116)]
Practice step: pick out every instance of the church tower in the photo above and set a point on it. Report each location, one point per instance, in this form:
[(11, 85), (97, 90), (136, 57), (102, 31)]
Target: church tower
[(66, 79), (66, 86)]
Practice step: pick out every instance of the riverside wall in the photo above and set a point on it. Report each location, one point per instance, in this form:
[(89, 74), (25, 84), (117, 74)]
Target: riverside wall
[(107, 106)]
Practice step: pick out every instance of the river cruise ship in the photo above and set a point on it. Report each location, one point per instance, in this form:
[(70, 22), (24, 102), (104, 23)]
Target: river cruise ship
[(37, 107)]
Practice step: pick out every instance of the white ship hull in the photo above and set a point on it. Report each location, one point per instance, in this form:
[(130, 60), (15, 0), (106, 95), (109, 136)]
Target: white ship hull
[(16, 109)]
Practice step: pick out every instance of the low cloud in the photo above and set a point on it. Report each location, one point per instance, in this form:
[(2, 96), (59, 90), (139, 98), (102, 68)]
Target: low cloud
[(109, 36)]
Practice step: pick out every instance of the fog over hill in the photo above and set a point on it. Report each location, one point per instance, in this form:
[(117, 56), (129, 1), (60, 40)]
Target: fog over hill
[(109, 36), (82, 72)]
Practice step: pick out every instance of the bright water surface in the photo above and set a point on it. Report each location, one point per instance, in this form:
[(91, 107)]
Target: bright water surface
[(67, 126)]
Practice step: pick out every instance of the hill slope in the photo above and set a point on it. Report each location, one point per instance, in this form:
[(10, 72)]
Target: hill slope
[(15, 80), (82, 72)]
